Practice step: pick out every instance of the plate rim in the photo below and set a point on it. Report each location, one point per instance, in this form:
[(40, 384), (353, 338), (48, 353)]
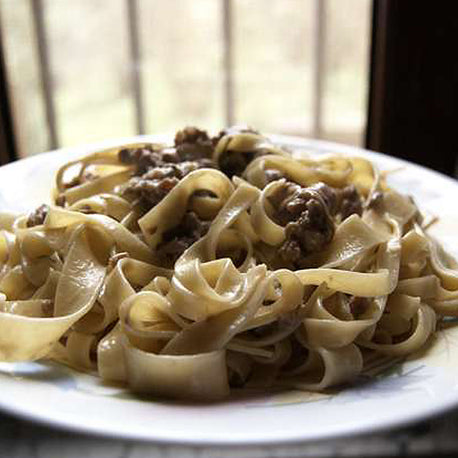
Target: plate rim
[(446, 404), (402, 421)]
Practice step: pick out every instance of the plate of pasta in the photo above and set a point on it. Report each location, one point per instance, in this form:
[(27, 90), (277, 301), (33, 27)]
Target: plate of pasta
[(236, 288)]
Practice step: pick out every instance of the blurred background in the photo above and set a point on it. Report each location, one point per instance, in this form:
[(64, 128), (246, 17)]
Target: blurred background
[(373, 73), (93, 69)]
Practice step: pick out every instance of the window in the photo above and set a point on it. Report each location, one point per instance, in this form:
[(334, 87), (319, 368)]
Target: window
[(94, 69)]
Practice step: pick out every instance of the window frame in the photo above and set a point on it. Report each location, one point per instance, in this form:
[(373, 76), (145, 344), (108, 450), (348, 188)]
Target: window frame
[(394, 112)]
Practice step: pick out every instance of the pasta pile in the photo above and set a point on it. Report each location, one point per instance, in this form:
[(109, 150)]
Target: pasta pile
[(254, 299)]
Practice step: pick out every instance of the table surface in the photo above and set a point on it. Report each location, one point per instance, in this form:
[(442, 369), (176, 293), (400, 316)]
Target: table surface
[(434, 437)]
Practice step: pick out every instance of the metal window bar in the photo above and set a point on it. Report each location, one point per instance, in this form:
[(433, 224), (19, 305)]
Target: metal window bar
[(318, 67), (228, 64), (135, 60), (135, 64), (38, 15)]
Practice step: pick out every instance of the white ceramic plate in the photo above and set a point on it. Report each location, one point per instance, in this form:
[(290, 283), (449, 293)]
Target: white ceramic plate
[(420, 387)]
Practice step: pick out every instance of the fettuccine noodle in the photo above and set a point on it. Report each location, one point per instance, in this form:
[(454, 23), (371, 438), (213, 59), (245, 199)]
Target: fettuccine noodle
[(220, 262)]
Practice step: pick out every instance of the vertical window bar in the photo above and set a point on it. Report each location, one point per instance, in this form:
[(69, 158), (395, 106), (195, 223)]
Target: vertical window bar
[(45, 70), (228, 64), (135, 64), (377, 75), (318, 66)]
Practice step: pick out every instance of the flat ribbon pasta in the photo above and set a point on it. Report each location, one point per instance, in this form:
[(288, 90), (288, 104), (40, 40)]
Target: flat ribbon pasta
[(186, 270), (25, 337)]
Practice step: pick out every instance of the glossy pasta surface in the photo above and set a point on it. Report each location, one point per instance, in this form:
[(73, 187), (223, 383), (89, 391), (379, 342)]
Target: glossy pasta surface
[(188, 269)]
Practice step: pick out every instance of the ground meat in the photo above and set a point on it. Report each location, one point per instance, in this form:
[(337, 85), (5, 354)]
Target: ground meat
[(309, 234), (149, 189), (176, 240), (37, 217), (158, 169), (376, 201), (190, 135), (192, 143), (235, 162), (170, 171), (305, 214), (350, 202), (279, 197), (329, 195), (147, 158), (290, 200), (358, 306), (148, 193)]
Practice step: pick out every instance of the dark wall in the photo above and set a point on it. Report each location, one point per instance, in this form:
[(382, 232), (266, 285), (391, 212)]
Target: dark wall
[(413, 109)]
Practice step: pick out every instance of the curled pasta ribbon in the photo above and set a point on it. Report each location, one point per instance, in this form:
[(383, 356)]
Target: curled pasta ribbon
[(324, 329), (110, 173), (110, 356), (444, 267), (354, 283), (38, 256), (216, 331), (7, 221), (245, 143), (170, 375), (203, 286), (414, 254), (28, 338), (400, 208), (326, 367), (101, 185), (104, 204), (119, 285), (332, 170), (365, 176), (268, 230), (423, 324), (80, 349), (288, 298), (148, 321), (107, 157), (125, 240), (171, 209), (354, 239)]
